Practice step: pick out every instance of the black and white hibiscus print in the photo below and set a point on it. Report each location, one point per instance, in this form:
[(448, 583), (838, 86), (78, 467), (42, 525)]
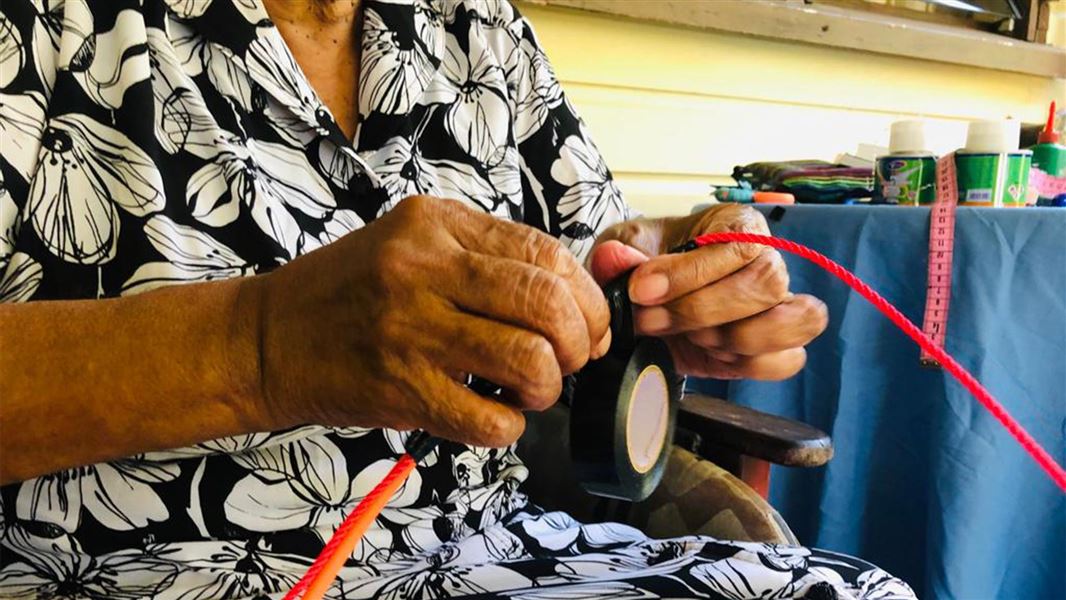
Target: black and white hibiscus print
[(86, 172), (149, 143)]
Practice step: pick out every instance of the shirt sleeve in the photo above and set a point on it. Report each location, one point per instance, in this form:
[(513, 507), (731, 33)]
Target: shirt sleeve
[(567, 188)]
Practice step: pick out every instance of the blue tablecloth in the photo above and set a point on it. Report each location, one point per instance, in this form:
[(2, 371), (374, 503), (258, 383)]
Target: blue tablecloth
[(925, 482)]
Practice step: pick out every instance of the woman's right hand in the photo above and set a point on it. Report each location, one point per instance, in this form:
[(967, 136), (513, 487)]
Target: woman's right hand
[(378, 328)]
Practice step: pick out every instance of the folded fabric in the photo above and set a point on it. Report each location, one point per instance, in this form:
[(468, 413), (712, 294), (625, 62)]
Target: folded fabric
[(812, 181)]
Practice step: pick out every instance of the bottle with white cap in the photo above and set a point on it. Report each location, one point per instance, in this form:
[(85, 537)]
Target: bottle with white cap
[(907, 176), (992, 171)]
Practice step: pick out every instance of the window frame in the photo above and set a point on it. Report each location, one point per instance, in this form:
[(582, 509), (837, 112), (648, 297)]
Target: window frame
[(840, 27), (1030, 23)]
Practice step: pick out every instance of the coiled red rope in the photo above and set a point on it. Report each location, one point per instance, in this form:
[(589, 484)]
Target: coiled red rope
[(323, 571)]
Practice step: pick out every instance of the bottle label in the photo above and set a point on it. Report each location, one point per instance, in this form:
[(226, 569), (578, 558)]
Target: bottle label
[(906, 180), (993, 179)]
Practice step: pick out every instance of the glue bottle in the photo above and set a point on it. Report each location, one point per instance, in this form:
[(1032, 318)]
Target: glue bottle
[(1048, 154), (907, 176)]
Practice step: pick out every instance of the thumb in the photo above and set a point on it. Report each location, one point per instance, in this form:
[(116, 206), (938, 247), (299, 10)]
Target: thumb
[(612, 258)]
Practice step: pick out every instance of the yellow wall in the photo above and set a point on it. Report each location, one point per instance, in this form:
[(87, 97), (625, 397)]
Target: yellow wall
[(1056, 33), (674, 109)]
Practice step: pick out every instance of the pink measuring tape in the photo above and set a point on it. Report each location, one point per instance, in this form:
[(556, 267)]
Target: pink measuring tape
[(942, 246), (1046, 185), (941, 253)]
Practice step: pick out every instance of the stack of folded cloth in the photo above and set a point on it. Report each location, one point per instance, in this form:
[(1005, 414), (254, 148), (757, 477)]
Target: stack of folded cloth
[(813, 181)]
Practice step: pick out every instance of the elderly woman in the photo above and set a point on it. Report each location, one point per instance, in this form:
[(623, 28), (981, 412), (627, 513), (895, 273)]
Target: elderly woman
[(245, 285)]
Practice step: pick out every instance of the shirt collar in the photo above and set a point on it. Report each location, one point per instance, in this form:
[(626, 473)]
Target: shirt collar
[(402, 46)]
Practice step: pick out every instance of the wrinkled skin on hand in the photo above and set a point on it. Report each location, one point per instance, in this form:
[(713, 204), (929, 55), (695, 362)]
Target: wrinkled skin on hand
[(379, 328), (725, 310)]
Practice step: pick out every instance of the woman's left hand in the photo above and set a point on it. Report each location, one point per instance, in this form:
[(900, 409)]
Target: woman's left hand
[(725, 310)]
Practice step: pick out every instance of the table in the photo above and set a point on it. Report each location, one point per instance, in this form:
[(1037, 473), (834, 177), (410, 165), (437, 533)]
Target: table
[(925, 483)]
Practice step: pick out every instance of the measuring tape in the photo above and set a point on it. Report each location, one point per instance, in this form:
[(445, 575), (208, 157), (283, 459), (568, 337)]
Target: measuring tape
[(942, 246), (941, 253), (1046, 185)]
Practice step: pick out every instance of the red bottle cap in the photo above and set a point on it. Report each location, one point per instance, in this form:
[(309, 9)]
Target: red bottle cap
[(1049, 135)]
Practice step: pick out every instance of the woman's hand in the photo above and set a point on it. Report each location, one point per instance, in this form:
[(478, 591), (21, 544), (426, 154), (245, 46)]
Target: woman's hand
[(725, 310), (377, 329)]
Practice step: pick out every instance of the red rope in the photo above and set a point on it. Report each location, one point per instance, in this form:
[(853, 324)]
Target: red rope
[(323, 571), (1030, 445)]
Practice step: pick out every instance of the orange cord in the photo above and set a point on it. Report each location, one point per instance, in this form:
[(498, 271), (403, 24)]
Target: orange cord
[(323, 572)]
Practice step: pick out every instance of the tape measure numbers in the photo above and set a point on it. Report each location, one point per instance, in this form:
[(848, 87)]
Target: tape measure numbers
[(941, 254)]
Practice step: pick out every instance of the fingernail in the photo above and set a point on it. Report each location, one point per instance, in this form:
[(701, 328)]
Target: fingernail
[(654, 319), (649, 288)]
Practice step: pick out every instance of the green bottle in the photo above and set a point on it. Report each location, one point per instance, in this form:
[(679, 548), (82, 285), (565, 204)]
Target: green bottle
[(907, 175), (991, 170), (1048, 155)]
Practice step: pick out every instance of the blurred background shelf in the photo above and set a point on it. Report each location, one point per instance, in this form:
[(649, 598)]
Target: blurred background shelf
[(675, 108)]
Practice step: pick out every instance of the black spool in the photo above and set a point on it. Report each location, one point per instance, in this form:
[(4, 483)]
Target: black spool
[(623, 333), (623, 409)]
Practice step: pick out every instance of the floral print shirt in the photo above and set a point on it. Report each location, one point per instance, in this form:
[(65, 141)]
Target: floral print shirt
[(147, 143)]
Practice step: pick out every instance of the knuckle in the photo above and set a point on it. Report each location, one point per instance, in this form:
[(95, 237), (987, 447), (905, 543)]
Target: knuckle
[(389, 326), (545, 389), (532, 352), (450, 205), (549, 253), (415, 204), (780, 277), (390, 263), (558, 319), (734, 217), (573, 352), (743, 215), (496, 429), (534, 361), (745, 253), (771, 278), (629, 232), (600, 321), (744, 218), (543, 293), (468, 269), (697, 272), (754, 221), (720, 216), (391, 253)]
